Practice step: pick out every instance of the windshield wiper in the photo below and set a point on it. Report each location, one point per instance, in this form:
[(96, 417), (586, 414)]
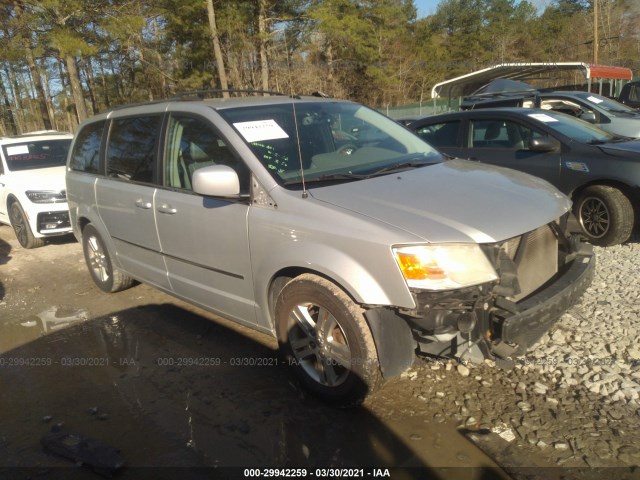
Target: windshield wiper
[(398, 167), (333, 177)]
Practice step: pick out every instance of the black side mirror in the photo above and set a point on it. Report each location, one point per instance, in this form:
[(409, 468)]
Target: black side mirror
[(588, 117), (544, 144)]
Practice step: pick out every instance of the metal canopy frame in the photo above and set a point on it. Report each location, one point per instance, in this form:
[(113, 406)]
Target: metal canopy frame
[(469, 83)]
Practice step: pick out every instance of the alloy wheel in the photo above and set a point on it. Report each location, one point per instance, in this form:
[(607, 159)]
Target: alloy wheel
[(595, 217), (319, 344)]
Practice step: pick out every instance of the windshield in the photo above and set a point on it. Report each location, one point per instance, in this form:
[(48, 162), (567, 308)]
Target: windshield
[(36, 154), (605, 103), (574, 128), (331, 141)]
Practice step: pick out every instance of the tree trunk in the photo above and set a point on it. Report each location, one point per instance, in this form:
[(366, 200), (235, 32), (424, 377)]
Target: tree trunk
[(32, 119), (10, 122), (37, 83), (330, 75), (76, 88), (105, 88), (91, 84), (262, 34), (47, 93), (163, 80), (222, 75), (65, 99), (35, 74), (16, 94)]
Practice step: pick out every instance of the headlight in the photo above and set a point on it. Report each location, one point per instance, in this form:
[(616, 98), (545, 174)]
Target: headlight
[(45, 196), (444, 267)]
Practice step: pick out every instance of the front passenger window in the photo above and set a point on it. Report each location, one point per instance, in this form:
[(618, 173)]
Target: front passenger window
[(192, 144), (502, 134), (441, 134)]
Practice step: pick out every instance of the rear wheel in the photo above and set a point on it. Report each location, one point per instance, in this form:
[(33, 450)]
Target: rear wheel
[(326, 340), (21, 227), (605, 215), (107, 278)]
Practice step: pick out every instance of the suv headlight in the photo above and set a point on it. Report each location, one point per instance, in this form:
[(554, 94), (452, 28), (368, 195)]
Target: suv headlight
[(444, 267), (46, 196)]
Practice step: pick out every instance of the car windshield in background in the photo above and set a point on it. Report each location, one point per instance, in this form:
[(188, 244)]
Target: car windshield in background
[(605, 103), (337, 141), (38, 154), (574, 128)]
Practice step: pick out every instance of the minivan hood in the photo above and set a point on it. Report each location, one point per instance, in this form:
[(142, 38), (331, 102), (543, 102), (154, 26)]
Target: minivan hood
[(453, 201), (51, 178)]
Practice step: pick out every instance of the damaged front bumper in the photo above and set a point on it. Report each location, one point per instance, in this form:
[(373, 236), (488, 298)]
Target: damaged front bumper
[(502, 320), (531, 318)]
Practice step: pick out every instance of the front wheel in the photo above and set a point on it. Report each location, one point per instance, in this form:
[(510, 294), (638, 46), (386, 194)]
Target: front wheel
[(605, 215), (326, 339), (21, 227), (107, 278)]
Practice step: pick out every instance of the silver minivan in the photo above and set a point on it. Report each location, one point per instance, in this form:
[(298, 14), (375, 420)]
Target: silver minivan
[(328, 225)]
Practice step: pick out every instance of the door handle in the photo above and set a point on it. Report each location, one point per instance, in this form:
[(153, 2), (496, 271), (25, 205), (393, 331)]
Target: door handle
[(168, 209), (142, 204)]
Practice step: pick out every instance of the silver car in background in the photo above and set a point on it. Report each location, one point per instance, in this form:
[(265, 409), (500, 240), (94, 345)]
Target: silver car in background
[(328, 225)]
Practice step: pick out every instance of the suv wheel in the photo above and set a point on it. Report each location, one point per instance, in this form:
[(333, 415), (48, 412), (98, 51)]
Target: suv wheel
[(605, 215), (326, 339), (98, 260), (21, 226)]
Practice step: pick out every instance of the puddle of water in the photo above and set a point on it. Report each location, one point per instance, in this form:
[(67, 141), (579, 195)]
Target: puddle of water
[(168, 388), (16, 332)]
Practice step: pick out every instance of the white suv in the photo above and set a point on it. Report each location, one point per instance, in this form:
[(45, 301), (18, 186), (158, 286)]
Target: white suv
[(33, 199)]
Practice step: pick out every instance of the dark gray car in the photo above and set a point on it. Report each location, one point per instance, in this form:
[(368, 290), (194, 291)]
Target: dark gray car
[(598, 170), (328, 225)]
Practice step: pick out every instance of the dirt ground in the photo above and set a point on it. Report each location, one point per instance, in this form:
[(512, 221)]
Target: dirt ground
[(168, 386)]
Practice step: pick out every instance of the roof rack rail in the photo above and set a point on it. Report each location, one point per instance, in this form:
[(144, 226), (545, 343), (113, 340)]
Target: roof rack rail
[(203, 93), (190, 95)]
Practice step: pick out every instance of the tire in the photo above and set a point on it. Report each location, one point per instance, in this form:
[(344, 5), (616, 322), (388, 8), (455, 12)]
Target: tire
[(107, 278), (21, 227), (605, 215), (325, 338)]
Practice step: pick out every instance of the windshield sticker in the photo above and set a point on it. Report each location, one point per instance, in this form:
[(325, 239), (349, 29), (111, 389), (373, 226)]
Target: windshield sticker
[(18, 150), (260, 130), (543, 117), (595, 99)]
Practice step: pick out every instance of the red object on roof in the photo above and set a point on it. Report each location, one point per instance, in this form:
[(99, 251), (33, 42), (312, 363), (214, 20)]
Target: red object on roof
[(469, 83), (608, 71)]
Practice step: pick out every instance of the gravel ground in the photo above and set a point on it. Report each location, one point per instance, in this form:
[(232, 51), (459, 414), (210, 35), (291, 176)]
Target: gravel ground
[(574, 400)]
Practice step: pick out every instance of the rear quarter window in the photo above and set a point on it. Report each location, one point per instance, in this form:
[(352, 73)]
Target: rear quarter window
[(86, 151), (131, 150)]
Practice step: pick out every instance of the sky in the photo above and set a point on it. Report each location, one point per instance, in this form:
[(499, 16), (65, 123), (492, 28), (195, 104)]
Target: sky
[(428, 7)]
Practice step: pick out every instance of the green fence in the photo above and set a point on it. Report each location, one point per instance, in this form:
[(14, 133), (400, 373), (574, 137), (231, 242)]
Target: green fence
[(428, 107)]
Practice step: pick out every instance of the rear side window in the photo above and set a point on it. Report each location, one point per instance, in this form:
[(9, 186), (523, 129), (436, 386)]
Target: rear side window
[(131, 150), (86, 151)]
